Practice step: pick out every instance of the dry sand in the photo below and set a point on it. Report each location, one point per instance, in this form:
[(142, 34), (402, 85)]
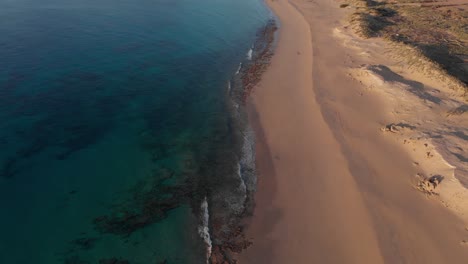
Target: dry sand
[(333, 187)]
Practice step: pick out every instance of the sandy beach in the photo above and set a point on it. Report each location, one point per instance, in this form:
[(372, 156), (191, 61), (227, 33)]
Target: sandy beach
[(347, 151)]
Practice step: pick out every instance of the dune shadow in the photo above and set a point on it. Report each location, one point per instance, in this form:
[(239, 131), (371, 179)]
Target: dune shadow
[(460, 134), (413, 87), (458, 111), (460, 157), (449, 61)]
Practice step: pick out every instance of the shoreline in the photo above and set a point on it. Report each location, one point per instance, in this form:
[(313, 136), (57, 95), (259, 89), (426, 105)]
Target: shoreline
[(332, 188), (223, 231)]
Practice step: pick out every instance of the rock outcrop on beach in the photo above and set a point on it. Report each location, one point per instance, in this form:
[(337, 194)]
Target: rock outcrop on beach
[(252, 73)]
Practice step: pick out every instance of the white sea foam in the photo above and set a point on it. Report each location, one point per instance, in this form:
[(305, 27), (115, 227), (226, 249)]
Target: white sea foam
[(249, 54), (204, 230), (242, 184), (229, 86), (238, 69)]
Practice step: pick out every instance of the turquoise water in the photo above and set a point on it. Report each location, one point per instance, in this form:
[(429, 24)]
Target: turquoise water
[(112, 115)]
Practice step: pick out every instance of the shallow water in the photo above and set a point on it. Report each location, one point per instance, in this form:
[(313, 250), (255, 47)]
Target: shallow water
[(110, 111)]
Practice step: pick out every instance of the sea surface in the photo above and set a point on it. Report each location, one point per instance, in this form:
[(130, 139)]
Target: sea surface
[(113, 125)]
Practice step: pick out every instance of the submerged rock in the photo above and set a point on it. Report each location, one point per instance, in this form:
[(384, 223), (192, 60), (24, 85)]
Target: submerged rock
[(85, 243), (113, 261)]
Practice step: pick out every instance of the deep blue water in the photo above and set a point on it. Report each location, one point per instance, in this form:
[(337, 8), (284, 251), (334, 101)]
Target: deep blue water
[(109, 109)]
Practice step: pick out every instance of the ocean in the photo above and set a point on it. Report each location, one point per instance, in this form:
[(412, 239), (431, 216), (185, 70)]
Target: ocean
[(121, 138)]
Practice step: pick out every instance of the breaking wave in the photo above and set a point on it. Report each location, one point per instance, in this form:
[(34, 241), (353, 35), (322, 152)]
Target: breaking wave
[(239, 68), (204, 230), (249, 54)]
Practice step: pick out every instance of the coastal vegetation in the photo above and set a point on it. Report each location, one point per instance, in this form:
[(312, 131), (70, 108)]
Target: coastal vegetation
[(430, 36)]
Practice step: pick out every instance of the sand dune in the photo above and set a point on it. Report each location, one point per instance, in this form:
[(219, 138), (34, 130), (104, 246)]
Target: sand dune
[(343, 136), (432, 127)]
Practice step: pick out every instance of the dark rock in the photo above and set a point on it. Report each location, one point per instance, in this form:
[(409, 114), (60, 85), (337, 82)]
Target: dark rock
[(113, 261), (85, 243)]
